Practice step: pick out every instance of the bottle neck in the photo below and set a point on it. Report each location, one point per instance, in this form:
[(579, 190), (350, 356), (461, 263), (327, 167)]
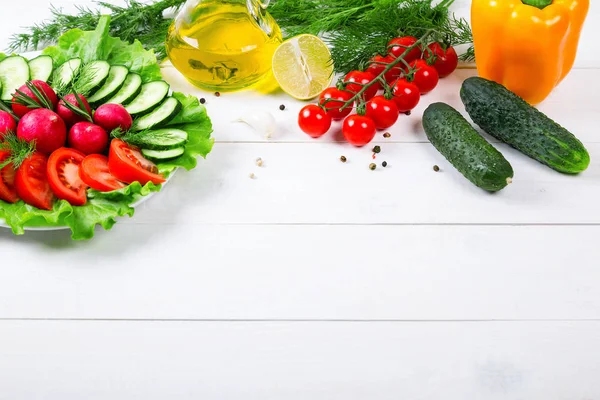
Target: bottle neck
[(257, 9)]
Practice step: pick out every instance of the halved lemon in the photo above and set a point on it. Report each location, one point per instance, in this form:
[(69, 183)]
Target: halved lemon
[(302, 66)]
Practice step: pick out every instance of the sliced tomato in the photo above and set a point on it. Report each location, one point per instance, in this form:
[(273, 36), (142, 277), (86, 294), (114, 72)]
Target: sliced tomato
[(128, 164), (63, 176), (94, 172), (7, 181), (31, 182)]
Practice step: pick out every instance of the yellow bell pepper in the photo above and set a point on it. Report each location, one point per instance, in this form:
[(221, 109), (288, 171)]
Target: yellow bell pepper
[(528, 46)]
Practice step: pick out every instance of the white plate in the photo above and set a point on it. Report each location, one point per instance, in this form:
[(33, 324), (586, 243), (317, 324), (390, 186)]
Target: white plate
[(58, 228)]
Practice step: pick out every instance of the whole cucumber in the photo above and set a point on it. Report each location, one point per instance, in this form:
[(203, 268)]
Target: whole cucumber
[(453, 136), (509, 118)]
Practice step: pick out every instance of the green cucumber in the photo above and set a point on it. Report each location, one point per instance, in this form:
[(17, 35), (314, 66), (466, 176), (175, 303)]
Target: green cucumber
[(64, 75), (41, 68), (92, 77), (452, 135), (160, 116), (116, 77), (14, 73), (509, 118), (163, 155), (152, 94), (129, 91), (162, 139)]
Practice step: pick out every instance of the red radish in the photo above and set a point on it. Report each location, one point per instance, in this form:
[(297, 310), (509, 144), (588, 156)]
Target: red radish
[(45, 127), (21, 110), (113, 116), (88, 138), (69, 116), (7, 123)]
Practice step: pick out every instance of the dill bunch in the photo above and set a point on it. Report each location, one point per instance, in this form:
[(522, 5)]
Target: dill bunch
[(356, 30), (135, 20)]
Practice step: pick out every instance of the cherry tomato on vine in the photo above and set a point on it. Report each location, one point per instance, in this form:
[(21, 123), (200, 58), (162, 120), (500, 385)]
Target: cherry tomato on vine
[(382, 111), (426, 77), (406, 95), (334, 108), (398, 46), (379, 63), (360, 78), (358, 129), (314, 121), (446, 60)]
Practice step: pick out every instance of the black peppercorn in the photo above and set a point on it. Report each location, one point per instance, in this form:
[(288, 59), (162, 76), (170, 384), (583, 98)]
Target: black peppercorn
[(343, 158), (384, 164), (376, 149), (436, 168), (282, 107), (202, 100)]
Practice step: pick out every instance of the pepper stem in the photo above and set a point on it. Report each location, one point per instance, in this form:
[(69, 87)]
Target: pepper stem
[(541, 4)]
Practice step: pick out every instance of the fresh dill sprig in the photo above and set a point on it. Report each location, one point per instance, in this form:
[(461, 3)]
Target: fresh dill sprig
[(134, 20), (356, 30), (19, 149)]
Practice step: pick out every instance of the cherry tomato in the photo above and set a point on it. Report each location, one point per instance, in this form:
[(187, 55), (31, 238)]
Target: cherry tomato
[(63, 176), (379, 63), (359, 79), (8, 192), (446, 60), (426, 77), (128, 164), (398, 46), (314, 121), (334, 108), (406, 95), (382, 111), (94, 172), (31, 182), (358, 129)]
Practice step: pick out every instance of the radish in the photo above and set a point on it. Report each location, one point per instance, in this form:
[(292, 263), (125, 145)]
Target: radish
[(45, 127), (88, 138), (69, 116), (7, 123), (113, 116), (20, 109)]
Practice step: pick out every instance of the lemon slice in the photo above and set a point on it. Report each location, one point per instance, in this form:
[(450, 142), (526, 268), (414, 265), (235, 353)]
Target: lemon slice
[(302, 66)]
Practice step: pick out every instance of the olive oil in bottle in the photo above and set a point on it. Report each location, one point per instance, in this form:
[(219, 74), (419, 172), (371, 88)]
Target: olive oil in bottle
[(223, 44)]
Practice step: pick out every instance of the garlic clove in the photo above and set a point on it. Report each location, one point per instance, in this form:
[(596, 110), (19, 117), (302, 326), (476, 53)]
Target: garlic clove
[(261, 121)]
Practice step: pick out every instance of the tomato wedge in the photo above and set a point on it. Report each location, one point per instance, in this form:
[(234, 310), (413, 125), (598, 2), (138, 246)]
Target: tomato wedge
[(63, 176), (31, 182), (7, 181), (94, 172), (127, 164)]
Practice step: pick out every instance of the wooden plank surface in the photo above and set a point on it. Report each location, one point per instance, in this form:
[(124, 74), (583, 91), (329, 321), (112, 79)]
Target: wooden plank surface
[(298, 361)]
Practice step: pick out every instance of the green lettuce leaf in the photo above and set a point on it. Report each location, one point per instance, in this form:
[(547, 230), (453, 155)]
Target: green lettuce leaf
[(194, 120), (101, 209), (98, 45)]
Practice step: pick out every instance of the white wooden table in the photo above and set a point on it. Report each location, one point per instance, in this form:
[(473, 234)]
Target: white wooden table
[(318, 279)]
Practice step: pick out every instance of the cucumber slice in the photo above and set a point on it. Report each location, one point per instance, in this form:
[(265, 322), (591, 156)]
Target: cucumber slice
[(164, 139), (162, 155), (129, 91), (116, 78), (160, 116), (41, 68), (92, 77), (152, 94), (65, 74), (14, 73)]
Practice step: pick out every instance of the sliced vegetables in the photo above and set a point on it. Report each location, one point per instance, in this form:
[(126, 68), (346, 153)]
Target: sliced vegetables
[(14, 73)]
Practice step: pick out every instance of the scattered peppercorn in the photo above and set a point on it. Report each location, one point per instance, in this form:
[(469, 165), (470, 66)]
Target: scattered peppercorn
[(202, 100), (343, 159), (282, 107), (384, 164), (251, 176), (376, 149), (372, 166), (259, 162), (436, 168), (217, 94), (387, 135), (408, 112)]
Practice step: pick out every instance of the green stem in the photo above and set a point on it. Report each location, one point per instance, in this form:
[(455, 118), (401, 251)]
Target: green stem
[(387, 69), (541, 4)]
